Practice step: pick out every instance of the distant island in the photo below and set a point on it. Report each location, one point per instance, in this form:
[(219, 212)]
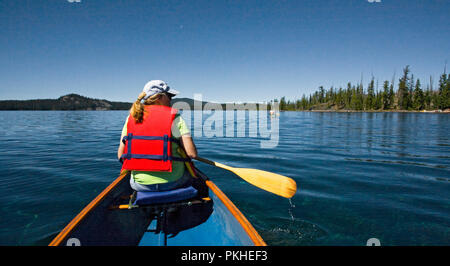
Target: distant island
[(66, 102), (72, 102), (75, 102)]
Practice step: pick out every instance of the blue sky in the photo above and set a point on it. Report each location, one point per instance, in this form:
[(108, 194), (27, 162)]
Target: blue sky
[(251, 50)]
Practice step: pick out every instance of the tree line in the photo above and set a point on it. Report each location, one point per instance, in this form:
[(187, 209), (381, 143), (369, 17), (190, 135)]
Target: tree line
[(409, 95)]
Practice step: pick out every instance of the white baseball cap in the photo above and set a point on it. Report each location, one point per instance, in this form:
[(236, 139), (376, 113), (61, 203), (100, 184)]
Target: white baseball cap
[(157, 86)]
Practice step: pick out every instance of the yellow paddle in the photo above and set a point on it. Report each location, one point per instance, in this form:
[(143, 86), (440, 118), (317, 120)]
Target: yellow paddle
[(275, 183)]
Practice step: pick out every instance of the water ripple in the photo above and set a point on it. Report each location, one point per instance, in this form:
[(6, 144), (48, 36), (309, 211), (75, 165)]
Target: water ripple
[(360, 175)]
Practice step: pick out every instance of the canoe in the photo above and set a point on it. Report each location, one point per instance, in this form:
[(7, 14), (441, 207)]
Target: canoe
[(200, 215)]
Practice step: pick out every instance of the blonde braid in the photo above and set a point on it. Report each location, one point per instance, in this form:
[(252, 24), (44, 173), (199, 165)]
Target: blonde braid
[(137, 110)]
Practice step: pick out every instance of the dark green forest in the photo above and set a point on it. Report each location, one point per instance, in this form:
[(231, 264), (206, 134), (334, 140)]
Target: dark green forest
[(409, 95)]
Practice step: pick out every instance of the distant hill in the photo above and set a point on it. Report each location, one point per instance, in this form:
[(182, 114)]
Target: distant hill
[(71, 102), (66, 102), (77, 102)]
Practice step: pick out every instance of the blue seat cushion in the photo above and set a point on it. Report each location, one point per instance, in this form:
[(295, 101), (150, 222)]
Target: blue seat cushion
[(147, 198)]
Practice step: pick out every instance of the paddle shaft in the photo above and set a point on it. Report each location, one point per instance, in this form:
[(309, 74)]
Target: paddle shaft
[(214, 163), (274, 183)]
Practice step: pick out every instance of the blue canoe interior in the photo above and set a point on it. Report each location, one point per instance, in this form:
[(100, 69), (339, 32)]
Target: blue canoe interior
[(200, 215)]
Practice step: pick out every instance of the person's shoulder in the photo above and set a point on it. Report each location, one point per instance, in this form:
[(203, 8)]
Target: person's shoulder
[(178, 117)]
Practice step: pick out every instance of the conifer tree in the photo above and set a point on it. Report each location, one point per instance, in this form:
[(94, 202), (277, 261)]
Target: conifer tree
[(443, 93), (349, 96), (283, 103), (427, 98), (403, 91), (378, 100), (386, 100), (370, 100), (391, 96), (418, 99)]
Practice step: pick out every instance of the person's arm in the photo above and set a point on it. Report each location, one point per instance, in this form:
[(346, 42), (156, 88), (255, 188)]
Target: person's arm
[(189, 146), (181, 130), (120, 150), (122, 145)]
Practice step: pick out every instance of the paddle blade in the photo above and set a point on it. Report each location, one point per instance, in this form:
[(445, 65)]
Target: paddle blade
[(275, 183)]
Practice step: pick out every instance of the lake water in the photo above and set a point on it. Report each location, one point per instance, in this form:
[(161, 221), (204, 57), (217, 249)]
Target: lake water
[(360, 175)]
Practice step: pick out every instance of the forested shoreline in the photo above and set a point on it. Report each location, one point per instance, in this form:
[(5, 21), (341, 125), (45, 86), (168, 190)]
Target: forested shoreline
[(409, 95)]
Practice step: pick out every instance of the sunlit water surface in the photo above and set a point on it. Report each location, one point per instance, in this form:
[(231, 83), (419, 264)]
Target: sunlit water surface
[(360, 175)]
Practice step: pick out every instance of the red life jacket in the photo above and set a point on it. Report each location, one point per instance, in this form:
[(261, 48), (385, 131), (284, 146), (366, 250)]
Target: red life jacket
[(148, 145)]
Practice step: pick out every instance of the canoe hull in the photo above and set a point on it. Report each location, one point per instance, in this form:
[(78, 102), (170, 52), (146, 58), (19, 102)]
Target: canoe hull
[(211, 220)]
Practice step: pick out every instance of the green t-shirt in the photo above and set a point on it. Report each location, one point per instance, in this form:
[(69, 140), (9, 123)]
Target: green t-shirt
[(179, 128)]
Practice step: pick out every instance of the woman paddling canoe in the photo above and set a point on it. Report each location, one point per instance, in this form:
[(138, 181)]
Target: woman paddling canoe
[(150, 141), (166, 203)]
